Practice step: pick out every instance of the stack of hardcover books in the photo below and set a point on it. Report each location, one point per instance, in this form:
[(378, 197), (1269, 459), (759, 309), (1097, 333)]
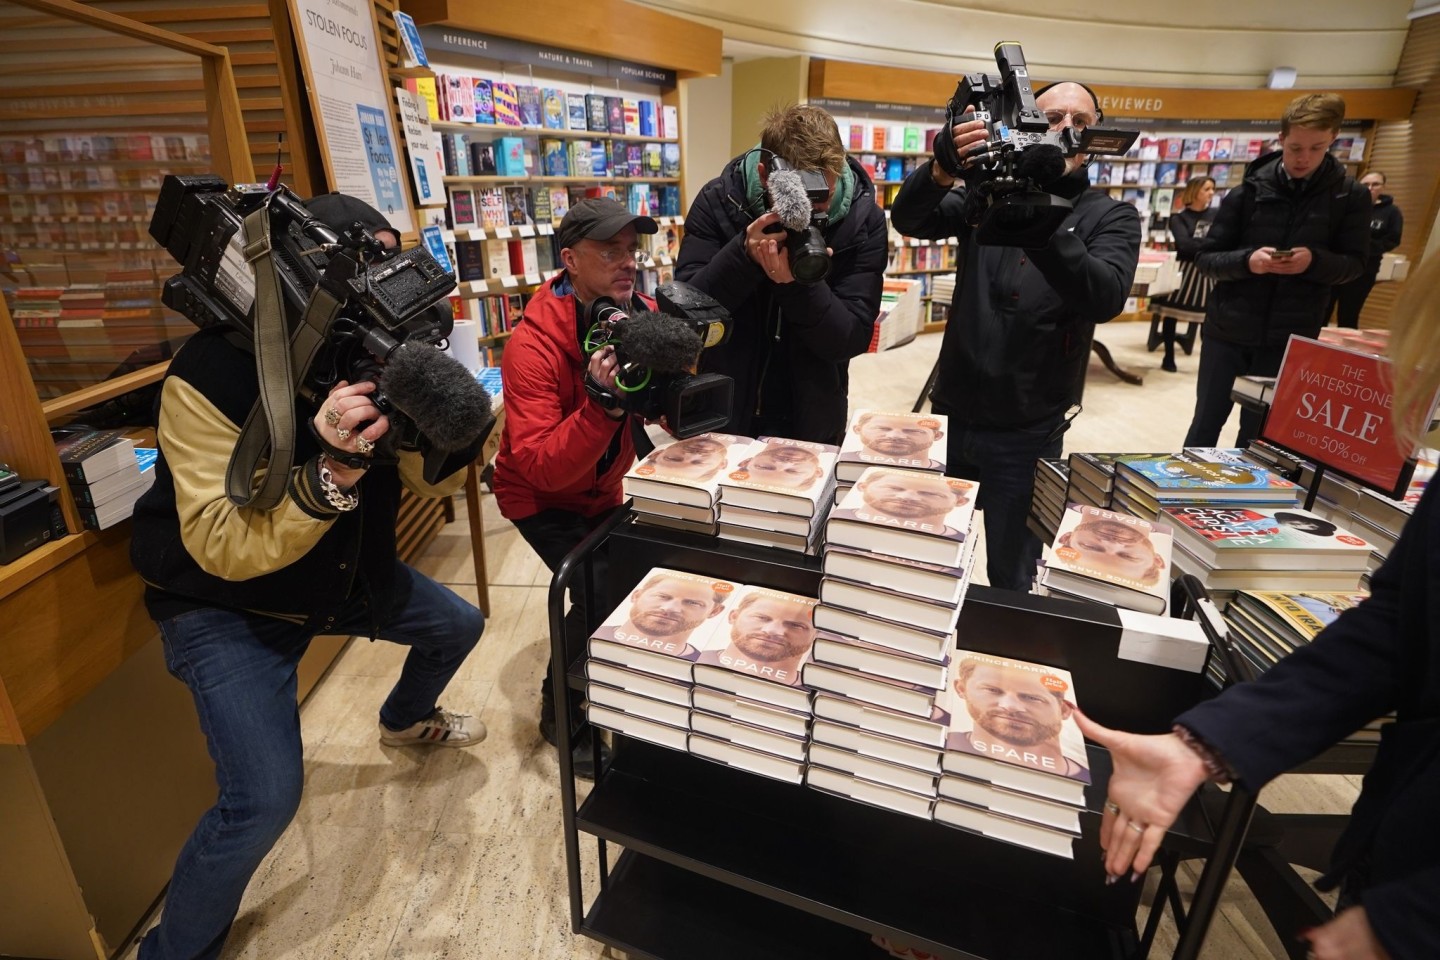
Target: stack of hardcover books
[(901, 441), (898, 554), (678, 484), (1109, 557), (1265, 548), (1014, 762), (778, 493), (1143, 485), (106, 472), (1092, 479), (707, 665), (1047, 503)]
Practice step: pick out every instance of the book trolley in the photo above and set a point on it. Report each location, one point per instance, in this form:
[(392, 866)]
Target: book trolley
[(717, 862)]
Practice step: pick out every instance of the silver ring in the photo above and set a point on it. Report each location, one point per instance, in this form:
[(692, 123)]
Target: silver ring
[(332, 416), (342, 433), (1137, 827), (1111, 806), (365, 447)]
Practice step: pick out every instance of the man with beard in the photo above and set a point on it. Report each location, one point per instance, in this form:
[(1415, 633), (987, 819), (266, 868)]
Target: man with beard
[(1114, 548), (782, 465), (770, 636), (665, 610), (1016, 717), (909, 500), (693, 460), (898, 438)]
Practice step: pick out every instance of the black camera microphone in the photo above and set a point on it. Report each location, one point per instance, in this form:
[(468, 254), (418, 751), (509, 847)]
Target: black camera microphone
[(1043, 163), (438, 393), (788, 199), (660, 342)]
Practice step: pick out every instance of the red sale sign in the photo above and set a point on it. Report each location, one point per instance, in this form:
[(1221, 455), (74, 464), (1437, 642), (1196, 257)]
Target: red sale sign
[(1332, 405)]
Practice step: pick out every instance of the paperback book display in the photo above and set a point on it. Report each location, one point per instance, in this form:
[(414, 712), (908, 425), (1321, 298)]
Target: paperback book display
[(1014, 764), (1109, 557), (778, 494), (106, 472), (678, 484), (1262, 548)]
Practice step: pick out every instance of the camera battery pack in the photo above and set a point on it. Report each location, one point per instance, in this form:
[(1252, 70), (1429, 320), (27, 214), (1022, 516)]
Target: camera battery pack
[(24, 519)]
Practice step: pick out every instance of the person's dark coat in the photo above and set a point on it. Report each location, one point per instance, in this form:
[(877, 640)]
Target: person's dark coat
[(1328, 212), (1386, 226), (790, 344)]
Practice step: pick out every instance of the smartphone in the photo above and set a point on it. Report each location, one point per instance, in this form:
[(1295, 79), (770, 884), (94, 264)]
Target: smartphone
[(1282, 254)]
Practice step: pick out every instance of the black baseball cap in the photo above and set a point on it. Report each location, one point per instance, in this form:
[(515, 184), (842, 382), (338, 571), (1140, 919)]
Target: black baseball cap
[(600, 218), (338, 210)]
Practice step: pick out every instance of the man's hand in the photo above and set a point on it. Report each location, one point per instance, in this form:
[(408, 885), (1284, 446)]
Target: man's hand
[(768, 249), (1346, 937), (350, 405), (1153, 778), (966, 135), (1264, 260), (603, 367)]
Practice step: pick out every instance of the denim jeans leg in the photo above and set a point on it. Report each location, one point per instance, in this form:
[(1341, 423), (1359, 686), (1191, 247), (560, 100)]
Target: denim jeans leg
[(439, 627), (241, 672)]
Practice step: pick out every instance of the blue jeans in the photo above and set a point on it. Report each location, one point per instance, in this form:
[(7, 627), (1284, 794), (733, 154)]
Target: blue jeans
[(1003, 462), (240, 669)]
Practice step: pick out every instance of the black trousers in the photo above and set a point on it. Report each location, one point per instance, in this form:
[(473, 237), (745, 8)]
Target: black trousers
[(553, 534), (1220, 363), (1350, 297)]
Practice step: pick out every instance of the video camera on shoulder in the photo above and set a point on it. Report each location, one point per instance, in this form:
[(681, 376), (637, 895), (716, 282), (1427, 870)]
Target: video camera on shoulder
[(658, 353), (1007, 175)]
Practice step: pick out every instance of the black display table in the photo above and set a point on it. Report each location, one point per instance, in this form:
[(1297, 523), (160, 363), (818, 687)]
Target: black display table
[(722, 863)]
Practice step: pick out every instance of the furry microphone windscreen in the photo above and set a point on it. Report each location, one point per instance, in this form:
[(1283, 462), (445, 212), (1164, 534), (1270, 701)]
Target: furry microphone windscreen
[(788, 199), (438, 393), (659, 341), (1042, 163)]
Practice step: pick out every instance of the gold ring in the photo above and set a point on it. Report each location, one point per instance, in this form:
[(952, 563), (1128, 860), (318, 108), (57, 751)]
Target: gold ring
[(1137, 827), (1111, 806), (365, 447), (332, 416), (342, 433)]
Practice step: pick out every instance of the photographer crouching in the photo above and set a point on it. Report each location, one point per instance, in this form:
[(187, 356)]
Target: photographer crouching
[(799, 266), (1015, 350), (239, 591)]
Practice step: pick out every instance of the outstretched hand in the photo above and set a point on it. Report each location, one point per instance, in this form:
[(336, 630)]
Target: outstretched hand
[(1346, 937), (1153, 778)]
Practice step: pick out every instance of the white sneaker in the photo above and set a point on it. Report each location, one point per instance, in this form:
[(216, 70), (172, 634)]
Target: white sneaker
[(441, 729)]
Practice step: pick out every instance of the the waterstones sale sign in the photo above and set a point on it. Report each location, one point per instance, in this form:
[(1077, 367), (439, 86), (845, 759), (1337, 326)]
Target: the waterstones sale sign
[(1332, 406)]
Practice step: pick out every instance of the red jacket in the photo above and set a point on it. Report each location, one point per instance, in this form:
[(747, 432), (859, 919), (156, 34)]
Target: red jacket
[(554, 435)]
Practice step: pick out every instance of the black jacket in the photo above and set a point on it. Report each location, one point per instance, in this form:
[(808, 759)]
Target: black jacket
[(1386, 226), (790, 344), (1017, 343), (1383, 655), (1187, 233), (1329, 213)]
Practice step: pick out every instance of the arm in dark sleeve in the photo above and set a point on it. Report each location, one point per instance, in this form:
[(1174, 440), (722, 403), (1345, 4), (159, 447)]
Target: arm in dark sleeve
[(1402, 914), (1225, 256), (715, 263), (1324, 691), (1346, 260), (1389, 237), (1095, 275), (926, 210), (835, 319), (1182, 234)]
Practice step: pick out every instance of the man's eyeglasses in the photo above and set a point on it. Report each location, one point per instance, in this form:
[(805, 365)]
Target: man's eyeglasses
[(613, 255), (1079, 120)]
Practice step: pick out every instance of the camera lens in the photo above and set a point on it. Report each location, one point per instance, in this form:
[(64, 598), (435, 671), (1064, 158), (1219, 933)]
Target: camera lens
[(809, 261)]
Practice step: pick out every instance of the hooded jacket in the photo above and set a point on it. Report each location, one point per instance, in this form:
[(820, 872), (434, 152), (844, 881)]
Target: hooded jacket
[(1017, 343), (790, 344), (555, 448), (1327, 212), (1386, 227)]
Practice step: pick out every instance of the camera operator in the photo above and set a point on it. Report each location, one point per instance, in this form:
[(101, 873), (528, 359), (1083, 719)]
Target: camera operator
[(1017, 344), (790, 349), (562, 450), (238, 592)]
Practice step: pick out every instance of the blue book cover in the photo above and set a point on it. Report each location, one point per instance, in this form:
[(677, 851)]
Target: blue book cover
[(894, 169), (435, 243), (510, 156), (410, 36), (1173, 475), (647, 118), (145, 457)]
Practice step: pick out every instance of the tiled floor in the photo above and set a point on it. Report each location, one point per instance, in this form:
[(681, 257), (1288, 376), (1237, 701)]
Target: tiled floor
[(405, 853)]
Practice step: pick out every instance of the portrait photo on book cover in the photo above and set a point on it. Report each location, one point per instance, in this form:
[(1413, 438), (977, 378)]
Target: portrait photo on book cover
[(1223, 474), (928, 503), (1017, 712), (767, 634), (898, 439), (1110, 546), (669, 612), (791, 464), (698, 459)]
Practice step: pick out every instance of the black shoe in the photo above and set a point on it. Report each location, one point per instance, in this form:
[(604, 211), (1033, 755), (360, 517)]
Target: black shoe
[(582, 763), (1168, 365), (1153, 341), (547, 730)]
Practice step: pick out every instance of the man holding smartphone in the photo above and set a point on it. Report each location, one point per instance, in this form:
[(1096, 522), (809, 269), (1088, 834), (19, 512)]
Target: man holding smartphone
[(1294, 228)]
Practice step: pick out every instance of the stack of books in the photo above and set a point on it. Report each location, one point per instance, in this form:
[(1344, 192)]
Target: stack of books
[(779, 493), (1047, 503), (678, 484), (901, 441), (1143, 485), (106, 472), (1014, 765), (898, 554), (1092, 479), (1109, 557), (1265, 548)]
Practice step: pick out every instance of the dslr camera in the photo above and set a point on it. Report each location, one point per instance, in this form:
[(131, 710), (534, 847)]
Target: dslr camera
[(391, 304), (1006, 175), (793, 194), (658, 353)]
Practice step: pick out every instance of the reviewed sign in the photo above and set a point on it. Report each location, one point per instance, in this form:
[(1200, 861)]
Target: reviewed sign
[(1332, 405)]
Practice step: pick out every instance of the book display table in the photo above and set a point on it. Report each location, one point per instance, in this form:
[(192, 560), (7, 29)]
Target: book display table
[(718, 862)]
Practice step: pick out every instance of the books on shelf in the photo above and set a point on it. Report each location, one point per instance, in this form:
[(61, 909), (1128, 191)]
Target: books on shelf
[(878, 659), (635, 726), (910, 699), (751, 736), (866, 791), (793, 722), (1259, 538), (863, 767), (1010, 803), (1111, 558), (927, 731), (760, 647), (902, 441), (905, 513), (1175, 478), (660, 627), (1008, 829), (747, 759), (915, 578), (87, 456)]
